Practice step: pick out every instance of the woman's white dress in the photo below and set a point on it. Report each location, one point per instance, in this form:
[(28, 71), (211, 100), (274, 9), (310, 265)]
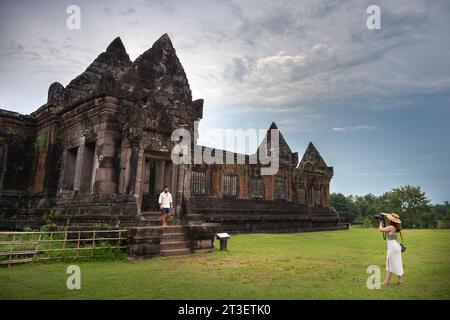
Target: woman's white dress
[(394, 255)]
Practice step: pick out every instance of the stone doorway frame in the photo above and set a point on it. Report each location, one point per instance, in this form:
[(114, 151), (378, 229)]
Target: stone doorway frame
[(162, 161)]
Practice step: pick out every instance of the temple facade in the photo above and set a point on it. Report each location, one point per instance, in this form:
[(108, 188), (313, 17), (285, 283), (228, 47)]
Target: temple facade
[(99, 153)]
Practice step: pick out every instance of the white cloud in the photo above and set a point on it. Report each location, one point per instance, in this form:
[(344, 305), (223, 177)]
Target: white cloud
[(362, 127)]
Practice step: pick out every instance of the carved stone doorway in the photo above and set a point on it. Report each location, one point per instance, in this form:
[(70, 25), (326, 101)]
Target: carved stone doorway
[(157, 174)]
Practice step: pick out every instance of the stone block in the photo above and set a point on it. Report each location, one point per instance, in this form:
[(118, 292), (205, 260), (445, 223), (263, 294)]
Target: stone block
[(144, 242)]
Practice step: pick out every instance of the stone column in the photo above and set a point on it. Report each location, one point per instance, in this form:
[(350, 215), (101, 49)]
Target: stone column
[(130, 174), (289, 195), (94, 168), (268, 187), (214, 182), (326, 192), (139, 169), (310, 196), (187, 181), (79, 166), (62, 171), (179, 191), (106, 174)]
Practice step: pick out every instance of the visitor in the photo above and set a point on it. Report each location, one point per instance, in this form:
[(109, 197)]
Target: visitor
[(394, 252), (165, 204)]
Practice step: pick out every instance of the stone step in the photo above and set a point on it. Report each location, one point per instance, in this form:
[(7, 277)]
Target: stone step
[(173, 237), (259, 219), (175, 252), (274, 224), (173, 229), (95, 216), (147, 218), (170, 245), (194, 217), (236, 203), (228, 210), (151, 213), (151, 221)]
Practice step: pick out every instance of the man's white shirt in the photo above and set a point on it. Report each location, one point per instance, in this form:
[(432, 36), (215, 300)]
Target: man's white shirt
[(165, 199)]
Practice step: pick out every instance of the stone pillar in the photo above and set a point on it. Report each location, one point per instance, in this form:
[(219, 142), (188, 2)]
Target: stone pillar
[(79, 166), (124, 165), (138, 153), (61, 172), (268, 187), (214, 183), (187, 181), (326, 195), (289, 195), (131, 168), (108, 146), (106, 174), (243, 186), (95, 166), (310, 196), (146, 177), (179, 185)]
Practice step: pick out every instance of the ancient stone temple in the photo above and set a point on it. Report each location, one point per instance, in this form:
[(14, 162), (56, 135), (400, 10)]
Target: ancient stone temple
[(99, 153)]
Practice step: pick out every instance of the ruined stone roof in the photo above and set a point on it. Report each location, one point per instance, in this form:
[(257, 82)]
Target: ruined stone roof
[(285, 151), (110, 64), (313, 156), (156, 75)]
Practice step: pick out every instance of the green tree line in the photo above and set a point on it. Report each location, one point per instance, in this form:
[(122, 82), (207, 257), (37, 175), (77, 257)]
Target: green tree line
[(410, 202)]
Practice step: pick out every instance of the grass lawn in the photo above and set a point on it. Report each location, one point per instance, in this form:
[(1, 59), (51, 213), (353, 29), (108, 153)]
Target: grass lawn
[(320, 265)]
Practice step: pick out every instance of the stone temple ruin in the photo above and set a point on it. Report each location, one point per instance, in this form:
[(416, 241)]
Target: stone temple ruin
[(98, 154)]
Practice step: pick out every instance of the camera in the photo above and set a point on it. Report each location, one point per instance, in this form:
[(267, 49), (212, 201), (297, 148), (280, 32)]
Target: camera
[(379, 216)]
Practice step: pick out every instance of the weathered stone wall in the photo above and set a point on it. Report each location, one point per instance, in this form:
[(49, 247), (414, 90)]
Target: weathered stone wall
[(17, 141), (29, 168), (306, 183)]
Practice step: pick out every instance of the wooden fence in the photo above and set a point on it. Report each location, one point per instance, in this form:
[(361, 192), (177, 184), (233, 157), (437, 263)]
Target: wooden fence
[(23, 247)]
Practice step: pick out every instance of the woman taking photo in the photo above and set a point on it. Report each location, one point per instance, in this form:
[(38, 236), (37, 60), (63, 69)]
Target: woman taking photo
[(394, 252)]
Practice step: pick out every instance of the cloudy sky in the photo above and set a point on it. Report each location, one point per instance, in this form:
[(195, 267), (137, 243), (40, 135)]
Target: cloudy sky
[(376, 103)]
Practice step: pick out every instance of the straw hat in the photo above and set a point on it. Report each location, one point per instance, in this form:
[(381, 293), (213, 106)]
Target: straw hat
[(393, 217)]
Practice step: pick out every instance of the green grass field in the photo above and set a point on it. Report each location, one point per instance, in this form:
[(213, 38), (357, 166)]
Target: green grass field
[(321, 265)]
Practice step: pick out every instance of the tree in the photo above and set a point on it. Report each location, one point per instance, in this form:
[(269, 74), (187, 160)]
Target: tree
[(344, 206), (441, 210), (428, 220), (445, 222), (412, 205), (368, 222), (408, 201)]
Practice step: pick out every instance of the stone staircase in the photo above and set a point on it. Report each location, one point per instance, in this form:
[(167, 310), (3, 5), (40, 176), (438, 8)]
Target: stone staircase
[(151, 218), (252, 216), (174, 241)]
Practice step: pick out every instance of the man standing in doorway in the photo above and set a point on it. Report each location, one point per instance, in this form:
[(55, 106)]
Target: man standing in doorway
[(165, 203)]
